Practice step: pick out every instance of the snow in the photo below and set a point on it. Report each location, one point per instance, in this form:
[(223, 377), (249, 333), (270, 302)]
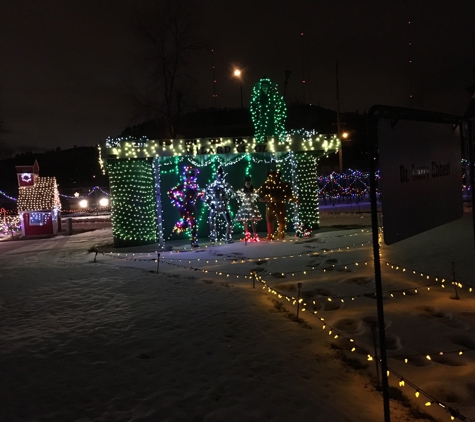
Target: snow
[(112, 340)]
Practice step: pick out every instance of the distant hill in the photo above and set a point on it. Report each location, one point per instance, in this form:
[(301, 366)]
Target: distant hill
[(74, 169), (235, 122), (78, 169)]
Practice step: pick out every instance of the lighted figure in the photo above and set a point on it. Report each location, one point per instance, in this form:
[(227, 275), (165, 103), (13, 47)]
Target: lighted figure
[(217, 197), (184, 197), (268, 111), (276, 193), (248, 210)]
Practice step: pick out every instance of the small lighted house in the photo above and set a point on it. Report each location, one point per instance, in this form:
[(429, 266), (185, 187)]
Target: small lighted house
[(38, 203)]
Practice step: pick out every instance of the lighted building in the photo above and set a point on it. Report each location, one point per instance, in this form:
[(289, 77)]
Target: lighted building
[(38, 203)]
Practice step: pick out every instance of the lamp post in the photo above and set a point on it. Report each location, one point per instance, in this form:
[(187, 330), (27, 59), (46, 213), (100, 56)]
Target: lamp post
[(238, 74)]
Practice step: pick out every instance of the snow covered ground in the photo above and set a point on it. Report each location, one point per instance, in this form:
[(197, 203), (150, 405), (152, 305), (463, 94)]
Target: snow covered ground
[(113, 340)]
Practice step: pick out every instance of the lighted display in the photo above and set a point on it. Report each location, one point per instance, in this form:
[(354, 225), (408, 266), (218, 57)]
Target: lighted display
[(133, 204), (184, 197), (217, 196), (268, 111)]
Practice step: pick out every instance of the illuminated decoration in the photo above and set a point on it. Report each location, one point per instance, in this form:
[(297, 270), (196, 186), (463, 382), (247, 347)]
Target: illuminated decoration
[(276, 193), (7, 196), (83, 203), (319, 144), (133, 204), (77, 195), (225, 152), (217, 196), (271, 147), (184, 197), (26, 177), (268, 111), (348, 185), (43, 195), (38, 204), (248, 210), (38, 218), (104, 202), (304, 180)]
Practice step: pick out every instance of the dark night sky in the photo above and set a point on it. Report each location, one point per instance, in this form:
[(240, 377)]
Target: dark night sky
[(64, 65)]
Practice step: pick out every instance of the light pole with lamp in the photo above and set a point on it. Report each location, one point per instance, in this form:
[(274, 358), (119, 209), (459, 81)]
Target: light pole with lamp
[(238, 74)]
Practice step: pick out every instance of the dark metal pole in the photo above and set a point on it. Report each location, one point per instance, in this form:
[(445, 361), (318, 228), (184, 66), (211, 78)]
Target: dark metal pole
[(454, 282), (241, 95), (374, 328), (377, 264), (299, 286), (472, 170), (340, 151)]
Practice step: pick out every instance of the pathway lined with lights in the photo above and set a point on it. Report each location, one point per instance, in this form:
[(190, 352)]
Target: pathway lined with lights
[(248, 270)]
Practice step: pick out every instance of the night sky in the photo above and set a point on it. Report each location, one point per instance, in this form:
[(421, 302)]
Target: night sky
[(65, 65)]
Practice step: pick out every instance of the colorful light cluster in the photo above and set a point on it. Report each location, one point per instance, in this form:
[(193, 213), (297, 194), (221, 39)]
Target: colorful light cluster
[(268, 111), (214, 152), (7, 196), (217, 196), (133, 204), (351, 183), (248, 210), (276, 193), (184, 197)]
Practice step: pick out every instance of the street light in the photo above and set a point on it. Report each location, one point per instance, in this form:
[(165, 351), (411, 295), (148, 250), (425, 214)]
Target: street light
[(238, 74)]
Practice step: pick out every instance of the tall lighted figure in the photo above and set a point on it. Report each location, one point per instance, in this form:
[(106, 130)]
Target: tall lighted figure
[(184, 197), (276, 193), (217, 197), (248, 210)]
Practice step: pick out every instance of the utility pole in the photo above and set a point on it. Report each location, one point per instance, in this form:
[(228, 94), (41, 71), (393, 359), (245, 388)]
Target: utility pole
[(286, 80), (213, 69), (338, 127)]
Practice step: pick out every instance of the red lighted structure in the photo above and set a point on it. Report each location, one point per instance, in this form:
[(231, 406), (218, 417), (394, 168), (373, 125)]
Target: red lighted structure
[(38, 203)]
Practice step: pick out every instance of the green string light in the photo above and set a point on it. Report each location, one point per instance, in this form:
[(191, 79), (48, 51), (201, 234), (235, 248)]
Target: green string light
[(133, 202), (268, 111)]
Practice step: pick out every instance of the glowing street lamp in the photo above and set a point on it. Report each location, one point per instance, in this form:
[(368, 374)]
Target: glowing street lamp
[(238, 74)]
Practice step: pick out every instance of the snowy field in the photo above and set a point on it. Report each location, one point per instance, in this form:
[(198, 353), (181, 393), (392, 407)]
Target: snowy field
[(113, 340)]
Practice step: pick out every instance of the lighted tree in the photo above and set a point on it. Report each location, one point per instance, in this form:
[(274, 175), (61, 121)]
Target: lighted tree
[(171, 34), (5, 150), (268, 111)]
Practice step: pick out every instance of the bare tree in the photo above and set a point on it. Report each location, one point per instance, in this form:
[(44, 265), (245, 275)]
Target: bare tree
[(5, 150), (171, 35)]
